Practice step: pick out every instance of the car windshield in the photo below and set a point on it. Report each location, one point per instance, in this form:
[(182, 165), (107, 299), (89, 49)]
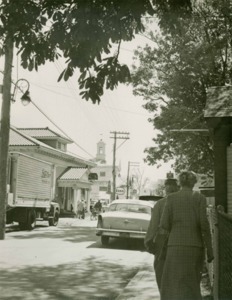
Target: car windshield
[(130, 207)]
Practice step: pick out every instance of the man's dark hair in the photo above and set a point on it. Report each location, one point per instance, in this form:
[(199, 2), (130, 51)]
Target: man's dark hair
[(170, 181), (171, 185)]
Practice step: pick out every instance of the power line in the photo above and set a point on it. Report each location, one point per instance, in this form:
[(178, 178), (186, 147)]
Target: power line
[(61, 129), (76, 96), (147, 38), (184, 129), (121, 145), (194, 119), (102, 105), (50, 120)]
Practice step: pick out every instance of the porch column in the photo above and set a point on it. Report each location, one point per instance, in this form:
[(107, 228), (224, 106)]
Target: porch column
[(75, 199), (88, 198)]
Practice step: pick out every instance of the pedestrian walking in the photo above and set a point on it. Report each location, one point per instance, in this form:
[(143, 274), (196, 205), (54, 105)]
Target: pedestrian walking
[(98, 206), (80, 208), (155, 239), (184, 217), (84, 209)]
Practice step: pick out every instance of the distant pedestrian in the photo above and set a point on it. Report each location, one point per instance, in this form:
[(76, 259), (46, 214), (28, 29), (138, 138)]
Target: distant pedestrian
[(98, 206), (91, 207), (184, 217), (80, 208), (84, 209), (154, 234)]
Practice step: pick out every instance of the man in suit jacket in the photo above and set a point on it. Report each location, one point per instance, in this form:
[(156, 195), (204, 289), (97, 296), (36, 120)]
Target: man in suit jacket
[(154, 231)]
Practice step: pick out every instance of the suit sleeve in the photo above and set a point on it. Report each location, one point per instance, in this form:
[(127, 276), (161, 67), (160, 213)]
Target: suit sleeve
[(153, 226), (165, 222), (205, 229)]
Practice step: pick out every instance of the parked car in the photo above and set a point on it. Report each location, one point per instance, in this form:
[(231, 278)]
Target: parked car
[(125, 218)]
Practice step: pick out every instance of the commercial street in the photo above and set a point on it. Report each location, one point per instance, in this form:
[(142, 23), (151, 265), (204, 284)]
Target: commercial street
[(67, 262)]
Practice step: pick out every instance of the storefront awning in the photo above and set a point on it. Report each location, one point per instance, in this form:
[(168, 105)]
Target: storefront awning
[(75, 178)]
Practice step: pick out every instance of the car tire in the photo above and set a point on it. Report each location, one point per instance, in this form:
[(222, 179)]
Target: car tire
[(54, 221), (31, 219), (105, 240), (22, 225)]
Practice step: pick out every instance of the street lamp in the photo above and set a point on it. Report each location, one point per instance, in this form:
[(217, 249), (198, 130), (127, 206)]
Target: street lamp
[(23, 85), (7, 99)]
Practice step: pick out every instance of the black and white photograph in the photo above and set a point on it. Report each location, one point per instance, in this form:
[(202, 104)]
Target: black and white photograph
[(116, 150)]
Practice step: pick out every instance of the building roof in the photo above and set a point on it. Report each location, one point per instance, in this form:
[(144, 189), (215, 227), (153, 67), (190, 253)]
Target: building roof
[(19, 139), (219, 102), (44, 133), (73, 174)]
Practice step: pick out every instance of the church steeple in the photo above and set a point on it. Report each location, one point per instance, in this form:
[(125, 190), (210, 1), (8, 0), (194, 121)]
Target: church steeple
[(101, 152)]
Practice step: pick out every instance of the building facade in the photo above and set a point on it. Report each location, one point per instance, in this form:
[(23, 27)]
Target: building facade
[(102, 187), (71, 173)]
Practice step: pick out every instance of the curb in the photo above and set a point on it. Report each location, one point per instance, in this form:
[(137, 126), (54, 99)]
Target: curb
[(142, 286)]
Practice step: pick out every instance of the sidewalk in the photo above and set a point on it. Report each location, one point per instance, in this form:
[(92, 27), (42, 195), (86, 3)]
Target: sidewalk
[(142, 287)]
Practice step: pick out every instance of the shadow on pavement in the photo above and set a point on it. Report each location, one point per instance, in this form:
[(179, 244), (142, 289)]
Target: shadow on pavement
[(70, 234), (122, 244), (88, 279), (81, 234)]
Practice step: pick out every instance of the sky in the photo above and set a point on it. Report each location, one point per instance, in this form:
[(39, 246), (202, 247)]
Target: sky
[(60, 105)]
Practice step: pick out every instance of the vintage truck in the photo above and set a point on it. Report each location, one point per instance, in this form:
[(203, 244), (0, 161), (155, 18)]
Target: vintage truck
[(30, 191)]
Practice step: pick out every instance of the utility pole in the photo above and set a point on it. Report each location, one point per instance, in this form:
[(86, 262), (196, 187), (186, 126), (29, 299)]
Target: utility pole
[(124, 136), (134, 164), (5, 131)]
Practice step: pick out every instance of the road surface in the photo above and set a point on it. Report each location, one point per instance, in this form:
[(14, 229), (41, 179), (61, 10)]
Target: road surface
[(66, 262)]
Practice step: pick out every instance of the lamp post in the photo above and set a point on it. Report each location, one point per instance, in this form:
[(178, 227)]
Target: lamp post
[(5, 128), (22, 85)]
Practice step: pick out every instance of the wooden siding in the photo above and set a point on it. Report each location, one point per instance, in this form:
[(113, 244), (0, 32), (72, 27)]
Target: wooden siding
[(34, 179)]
